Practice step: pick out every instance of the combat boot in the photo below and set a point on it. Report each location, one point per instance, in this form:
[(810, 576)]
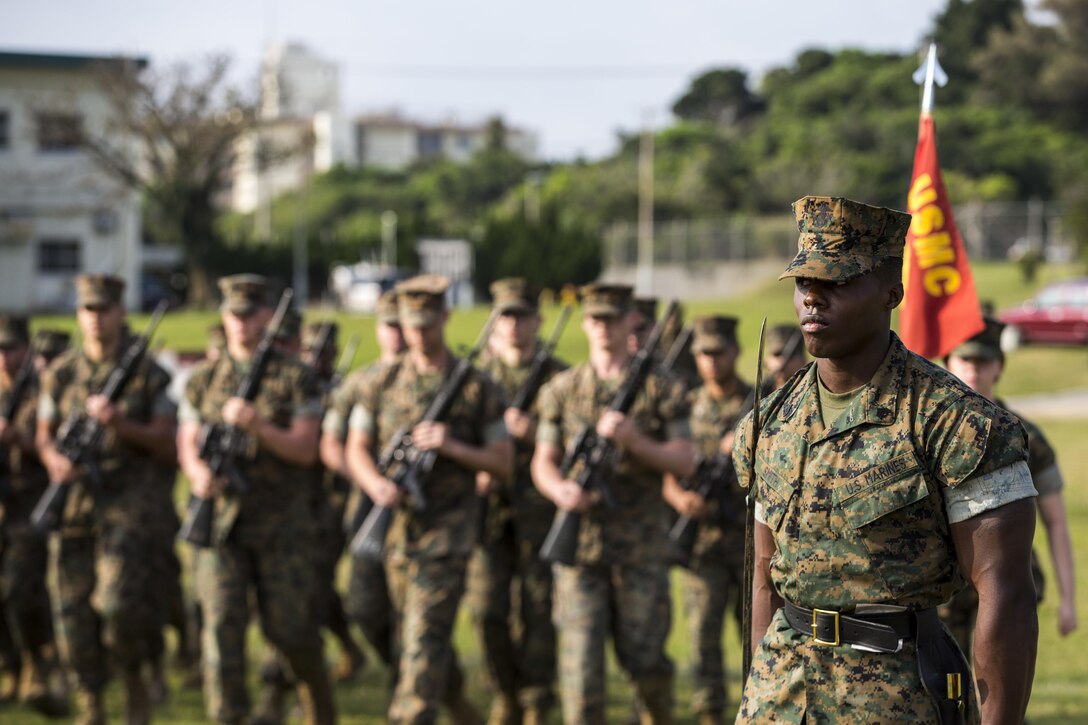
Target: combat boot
[(269, 705), (713, 717), (137, 702), (655, 698), (34, 688), (317, 703), (505, 710), (463, 712), (90, 709), (157, 689)]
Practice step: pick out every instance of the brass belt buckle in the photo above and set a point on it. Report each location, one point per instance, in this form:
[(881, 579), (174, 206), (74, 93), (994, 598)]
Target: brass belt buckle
[(955, 689), (815, 631)]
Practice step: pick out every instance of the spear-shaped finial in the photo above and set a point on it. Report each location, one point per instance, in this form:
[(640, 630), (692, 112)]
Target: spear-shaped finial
[(928, 73)]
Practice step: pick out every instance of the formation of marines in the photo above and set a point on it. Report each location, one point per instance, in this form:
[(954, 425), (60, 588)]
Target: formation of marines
[(881, 486)]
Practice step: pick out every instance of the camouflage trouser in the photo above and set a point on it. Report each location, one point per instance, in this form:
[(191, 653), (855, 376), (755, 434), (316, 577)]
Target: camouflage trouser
[(629, 602), (708, 589), (425, 594), (277, 568), (793, 680), (167, 571), (368, 605), (507, 577), (24, 598), (104, 596)]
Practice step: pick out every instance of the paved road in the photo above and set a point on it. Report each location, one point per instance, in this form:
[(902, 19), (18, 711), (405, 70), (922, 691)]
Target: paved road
[(1066, 404)]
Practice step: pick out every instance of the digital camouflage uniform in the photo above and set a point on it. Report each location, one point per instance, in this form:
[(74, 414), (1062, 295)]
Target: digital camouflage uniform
[(619, 585), (426, 553), (24, 599), (509, 587), (712, 579), (264, 539), (102, 569), (860, 512)]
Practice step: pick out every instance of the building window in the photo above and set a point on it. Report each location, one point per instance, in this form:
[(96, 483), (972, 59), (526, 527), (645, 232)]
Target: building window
[(5, 130), (59, 131), (59, 256), (429, 144)]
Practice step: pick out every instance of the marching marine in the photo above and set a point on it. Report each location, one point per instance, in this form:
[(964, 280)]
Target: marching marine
[(100, 562), (506, 568), (618, 583), (427, 550), (263, 539)]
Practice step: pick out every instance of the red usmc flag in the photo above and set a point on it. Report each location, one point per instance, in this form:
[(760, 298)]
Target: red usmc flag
[(940, 306)]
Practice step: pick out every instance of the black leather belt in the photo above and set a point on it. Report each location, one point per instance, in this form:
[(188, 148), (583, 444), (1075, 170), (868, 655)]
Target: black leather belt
[(884, 632)]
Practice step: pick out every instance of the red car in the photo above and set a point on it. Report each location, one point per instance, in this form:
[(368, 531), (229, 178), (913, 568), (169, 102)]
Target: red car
[(1057, 314)]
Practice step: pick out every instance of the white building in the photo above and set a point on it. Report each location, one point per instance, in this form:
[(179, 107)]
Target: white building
[(391, 141), (300, 109), (61, 214)]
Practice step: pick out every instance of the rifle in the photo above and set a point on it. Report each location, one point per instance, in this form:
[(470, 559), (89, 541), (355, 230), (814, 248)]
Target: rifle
[(318, 344), (80, 435), (347, 357), (712, 476), (222, 444), (19, 387), (596, 457), (749, 518), (677, 348), (407, 466)]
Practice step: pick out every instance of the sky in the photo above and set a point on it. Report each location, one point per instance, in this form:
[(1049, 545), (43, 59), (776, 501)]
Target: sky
[(574, 72)]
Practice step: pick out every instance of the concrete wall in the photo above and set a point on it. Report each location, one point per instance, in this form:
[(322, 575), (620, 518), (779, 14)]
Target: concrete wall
[(713, 280)]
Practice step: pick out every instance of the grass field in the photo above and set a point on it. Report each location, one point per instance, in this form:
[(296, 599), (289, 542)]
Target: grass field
[(1060, 694)]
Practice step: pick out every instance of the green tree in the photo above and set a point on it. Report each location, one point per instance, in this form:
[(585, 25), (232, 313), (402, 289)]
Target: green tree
[(719, 96)]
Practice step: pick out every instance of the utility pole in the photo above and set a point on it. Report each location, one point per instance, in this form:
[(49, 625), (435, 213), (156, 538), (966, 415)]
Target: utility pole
[(301, 253), (645, 275), (389, 239)]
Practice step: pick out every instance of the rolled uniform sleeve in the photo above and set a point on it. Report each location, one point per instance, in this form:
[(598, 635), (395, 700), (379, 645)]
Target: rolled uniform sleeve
[(361, 419), (47, 408), (988, 491)]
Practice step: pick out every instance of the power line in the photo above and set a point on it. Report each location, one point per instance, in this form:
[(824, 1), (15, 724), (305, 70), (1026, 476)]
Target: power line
[(517, 73)]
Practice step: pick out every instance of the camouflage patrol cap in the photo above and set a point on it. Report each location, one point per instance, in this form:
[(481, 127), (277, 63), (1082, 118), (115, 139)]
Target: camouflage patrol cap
[(779, 337), (387, 311), (13, 330), (421, 300), (842, 239), (99, 289), (713, 333), (244, 294), (514, 295), (313, 329), (49, 343), (646, 306), (290, 327), (602, 299), (986, 345)]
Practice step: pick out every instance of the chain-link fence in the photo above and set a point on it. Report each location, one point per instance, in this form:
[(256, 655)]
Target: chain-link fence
[(991, 230)]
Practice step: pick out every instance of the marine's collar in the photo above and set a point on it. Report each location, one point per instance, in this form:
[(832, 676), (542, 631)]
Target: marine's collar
[(877, 403)]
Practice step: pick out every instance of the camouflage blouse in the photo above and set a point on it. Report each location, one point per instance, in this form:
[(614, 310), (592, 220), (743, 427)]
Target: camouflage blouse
[(858, 511), (637, 529)]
